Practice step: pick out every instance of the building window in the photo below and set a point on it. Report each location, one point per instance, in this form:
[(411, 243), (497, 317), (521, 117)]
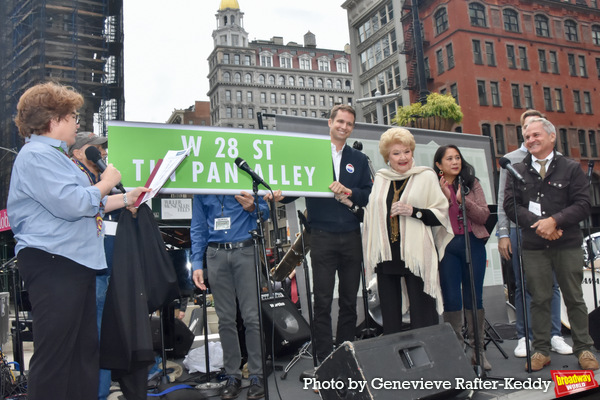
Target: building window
[(248, 78), (273, 98), (441, 20), (329, 84), (263, 97), (302, 99), (266, 59), (523, 58), (486, 130), (543, 62), (542, 26), (477, 15), (249, 97), (499, 133), (495, 92), (321, 101), (582, 67), (593, 144), (240, 112), (250, 113), (237, 77), (520, 139), (247, 60), (547, 99), (301, 82), (225, 58), (261, 79), (338, 84), (598, 66), (226, 77), (428, 70), (285, 61), (320, 83), (228, 112), (511, 20), (342, 66), (571, 30), (281, 80), (311, 82), (516, 95), (477, 58), (228, 95), (572, 66), (323, 64), (582, 144), (564, 142), (312, 100), (291, 81), (439, 56), (305, 62), (236, 59), (577, 101), (587, 102), (553, 62), (482, 93), (271, 79), (238, 96), (558, 99), (527, 96), (596, 34), (490, 54), (292, 99), (454, 92), (450, 55), (510, 55)]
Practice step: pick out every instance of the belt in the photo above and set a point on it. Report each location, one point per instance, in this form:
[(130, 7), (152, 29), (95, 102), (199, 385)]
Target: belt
[(231, 246)]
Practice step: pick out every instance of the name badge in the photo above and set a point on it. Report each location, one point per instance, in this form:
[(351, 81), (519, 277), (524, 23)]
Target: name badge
[(222, 224), (535, 208), (110, 228)]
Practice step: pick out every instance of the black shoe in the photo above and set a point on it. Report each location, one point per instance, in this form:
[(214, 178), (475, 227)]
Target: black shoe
[(232, 389), (256, 390)]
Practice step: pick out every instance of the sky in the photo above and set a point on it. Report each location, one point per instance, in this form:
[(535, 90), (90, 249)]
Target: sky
[(167, 43)]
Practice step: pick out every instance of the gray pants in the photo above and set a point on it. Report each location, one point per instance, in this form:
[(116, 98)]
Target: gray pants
[(231, 274)]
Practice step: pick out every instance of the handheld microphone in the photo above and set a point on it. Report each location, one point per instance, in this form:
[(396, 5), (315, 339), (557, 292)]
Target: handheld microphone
[(590, 168), (93, 154), (505, 163), (243, 165)]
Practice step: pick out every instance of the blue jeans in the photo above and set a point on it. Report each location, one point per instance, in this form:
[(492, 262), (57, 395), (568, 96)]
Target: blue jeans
[(455, 277), (554, 306)]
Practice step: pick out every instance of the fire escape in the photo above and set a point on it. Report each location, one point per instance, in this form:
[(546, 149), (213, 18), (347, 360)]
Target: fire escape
[(412, 48)]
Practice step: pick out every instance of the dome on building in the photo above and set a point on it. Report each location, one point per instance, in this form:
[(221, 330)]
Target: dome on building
[(232, 4)]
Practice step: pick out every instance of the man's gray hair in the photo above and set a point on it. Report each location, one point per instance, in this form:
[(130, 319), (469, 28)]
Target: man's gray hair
[(548, 126)]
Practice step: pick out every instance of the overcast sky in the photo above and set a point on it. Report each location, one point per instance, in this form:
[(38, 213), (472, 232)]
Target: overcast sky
[(167, 44)]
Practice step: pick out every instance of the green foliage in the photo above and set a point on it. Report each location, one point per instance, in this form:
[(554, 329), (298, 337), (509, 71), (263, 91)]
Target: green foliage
[(438, 105)]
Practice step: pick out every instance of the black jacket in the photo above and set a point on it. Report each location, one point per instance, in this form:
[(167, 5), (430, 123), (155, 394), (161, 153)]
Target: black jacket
[(564, 194)]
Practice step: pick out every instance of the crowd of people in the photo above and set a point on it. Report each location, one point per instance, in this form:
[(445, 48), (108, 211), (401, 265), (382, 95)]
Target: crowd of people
[(421, 239)]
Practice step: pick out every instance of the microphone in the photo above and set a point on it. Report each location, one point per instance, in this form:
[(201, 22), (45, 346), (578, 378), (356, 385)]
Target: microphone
[(590, 168), (243, 165), (505, 163), (93, 154)]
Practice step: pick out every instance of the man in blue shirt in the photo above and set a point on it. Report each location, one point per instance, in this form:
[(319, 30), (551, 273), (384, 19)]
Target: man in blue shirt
[(220, 232)]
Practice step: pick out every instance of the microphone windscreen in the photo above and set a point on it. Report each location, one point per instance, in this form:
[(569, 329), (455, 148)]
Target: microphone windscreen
[(93, 154), (239, 161), (504, 162)]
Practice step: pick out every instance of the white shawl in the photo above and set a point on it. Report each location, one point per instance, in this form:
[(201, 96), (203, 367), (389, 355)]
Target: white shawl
[(421, 246)]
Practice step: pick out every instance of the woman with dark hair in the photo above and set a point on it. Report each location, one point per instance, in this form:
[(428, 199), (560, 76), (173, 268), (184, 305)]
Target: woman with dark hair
[(405, 231), (454, 274)]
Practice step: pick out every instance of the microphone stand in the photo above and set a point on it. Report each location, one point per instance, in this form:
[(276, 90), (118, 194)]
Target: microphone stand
[(479, 371), (310, 373), (259, 248), (208, 388), (522, 276), (590, 248)]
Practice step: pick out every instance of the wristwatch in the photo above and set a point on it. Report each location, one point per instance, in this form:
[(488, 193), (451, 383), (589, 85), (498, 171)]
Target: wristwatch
[(419, 215)]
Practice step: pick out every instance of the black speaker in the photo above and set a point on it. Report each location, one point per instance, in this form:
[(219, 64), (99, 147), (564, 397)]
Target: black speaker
[(594, 326), (178, 338), (283, 322), (420, 363)]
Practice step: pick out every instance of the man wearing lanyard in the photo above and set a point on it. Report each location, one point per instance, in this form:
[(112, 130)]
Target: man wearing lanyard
[(220, 232)]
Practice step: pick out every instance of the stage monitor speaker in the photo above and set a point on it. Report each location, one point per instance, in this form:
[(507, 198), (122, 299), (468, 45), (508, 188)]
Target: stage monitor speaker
[(282, 321), (416, 364), (594, 326), (177, 336)]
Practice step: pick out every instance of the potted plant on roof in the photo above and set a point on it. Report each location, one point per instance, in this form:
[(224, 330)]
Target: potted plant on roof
[(440, 112)]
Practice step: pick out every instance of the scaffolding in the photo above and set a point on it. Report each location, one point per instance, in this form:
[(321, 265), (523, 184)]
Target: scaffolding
[(72, 42)]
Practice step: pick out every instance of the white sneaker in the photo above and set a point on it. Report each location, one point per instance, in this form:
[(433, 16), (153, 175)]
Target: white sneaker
[(560, 346), (521, 349)]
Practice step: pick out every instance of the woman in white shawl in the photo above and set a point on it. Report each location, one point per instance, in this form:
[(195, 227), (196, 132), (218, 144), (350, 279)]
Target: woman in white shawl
[(406, 229)]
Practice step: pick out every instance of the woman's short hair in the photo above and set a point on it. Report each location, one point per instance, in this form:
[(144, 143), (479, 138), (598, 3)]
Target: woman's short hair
[(395, 136), (42, 103)]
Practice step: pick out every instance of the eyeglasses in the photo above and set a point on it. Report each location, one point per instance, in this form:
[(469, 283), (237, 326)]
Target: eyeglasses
[(76, 117)]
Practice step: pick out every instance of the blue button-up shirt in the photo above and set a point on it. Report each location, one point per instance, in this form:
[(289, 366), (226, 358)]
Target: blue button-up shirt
[(206, 208), (52, 206)]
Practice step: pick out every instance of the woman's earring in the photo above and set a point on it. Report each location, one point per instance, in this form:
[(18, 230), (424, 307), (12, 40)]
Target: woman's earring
[(441, 173)]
